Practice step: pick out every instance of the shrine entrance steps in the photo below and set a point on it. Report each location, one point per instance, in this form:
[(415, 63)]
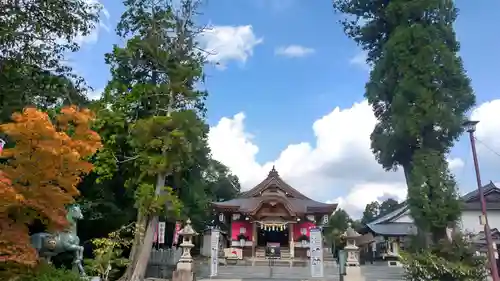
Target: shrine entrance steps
[(282, 273), (285, 273)]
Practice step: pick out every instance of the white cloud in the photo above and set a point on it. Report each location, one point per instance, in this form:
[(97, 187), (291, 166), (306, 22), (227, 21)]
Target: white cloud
[(96, 94), (488, 128), (455, 163), (364, 193), (339, 162), (103, 24), (229, 43), (294, 51), (338, 167), (359, 60)]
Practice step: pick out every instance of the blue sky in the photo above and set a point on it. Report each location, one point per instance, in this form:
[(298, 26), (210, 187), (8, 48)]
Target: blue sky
[(264, 103)]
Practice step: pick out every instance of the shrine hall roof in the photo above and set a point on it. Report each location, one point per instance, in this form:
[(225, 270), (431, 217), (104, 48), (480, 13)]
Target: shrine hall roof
[(250, 200), (246, 205)]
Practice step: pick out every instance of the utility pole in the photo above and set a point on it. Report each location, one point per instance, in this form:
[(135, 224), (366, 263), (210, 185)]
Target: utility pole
[(470, 126)]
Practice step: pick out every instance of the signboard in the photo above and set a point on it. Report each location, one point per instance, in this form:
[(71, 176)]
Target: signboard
[(342, 261), (161, 232), (214, 254), (273, 251), (176, 233), (233, 253), (316, 248)]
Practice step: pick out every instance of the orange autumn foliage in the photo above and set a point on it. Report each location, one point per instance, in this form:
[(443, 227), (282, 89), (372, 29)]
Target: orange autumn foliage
[(41, 174)]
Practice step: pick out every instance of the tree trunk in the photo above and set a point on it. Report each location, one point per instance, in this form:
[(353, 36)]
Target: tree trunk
[(140, 228), (143, 253)]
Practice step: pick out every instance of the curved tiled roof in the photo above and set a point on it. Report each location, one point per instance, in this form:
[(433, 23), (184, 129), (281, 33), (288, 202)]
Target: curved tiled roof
[(296, 201), (274, 179), (246, 205), (475, 193)]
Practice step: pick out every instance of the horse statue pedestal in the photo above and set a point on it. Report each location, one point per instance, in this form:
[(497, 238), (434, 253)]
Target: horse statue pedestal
[(49, 245)]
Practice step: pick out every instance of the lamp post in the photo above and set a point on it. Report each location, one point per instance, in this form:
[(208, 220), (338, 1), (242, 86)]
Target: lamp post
[(470, 127)]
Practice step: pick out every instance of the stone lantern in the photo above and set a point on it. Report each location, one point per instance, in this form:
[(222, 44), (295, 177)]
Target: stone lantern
[(351, 249), (184, 270)]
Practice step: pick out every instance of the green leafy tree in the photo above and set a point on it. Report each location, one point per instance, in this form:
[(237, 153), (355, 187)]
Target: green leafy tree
[(155, 112), (221, 184), (34, 37), (372, 210), (339, 220), (418, 89), (108, 253), (357, 225), (337, 225), (433, 200), (420, 95), (388, 206)]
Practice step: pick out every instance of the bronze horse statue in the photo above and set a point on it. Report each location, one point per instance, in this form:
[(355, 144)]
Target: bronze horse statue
[(49, 245)]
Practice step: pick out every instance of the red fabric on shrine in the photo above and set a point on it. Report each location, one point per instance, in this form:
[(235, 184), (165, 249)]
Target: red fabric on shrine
[(235, 230), (296, 229)]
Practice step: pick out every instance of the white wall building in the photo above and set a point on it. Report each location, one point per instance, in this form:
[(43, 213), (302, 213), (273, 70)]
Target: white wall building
[(471, 213), (470, 221), (390, 229)]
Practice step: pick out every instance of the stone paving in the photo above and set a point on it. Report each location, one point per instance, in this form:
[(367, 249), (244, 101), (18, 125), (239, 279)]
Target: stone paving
[(382, 273), (261, 273)]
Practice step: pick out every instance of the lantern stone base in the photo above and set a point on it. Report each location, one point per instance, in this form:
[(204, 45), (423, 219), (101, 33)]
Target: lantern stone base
[(182, 275), (353, 273)]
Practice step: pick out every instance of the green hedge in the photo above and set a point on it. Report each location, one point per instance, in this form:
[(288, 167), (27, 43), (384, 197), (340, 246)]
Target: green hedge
[(447, 261), (46, 272)]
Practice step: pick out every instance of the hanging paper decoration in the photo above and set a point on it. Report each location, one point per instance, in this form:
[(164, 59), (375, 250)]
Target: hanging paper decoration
[(273, 226)]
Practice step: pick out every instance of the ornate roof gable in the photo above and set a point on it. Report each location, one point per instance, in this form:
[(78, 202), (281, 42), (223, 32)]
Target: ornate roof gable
[(273, 180)]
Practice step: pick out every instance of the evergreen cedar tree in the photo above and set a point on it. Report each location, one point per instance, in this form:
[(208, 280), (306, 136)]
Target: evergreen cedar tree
[(40, 174)]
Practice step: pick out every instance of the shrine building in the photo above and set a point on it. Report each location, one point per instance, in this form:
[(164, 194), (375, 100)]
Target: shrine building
[(272, 214)]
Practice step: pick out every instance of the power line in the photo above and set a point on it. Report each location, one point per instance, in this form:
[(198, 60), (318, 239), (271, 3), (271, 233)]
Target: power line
[(487, 147)]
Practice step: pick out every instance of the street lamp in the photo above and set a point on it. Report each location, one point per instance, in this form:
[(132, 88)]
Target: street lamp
[(470, 127)]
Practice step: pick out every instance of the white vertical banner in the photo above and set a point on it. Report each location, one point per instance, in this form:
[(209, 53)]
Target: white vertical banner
[(161, 232), (316, 249), (214, 253)]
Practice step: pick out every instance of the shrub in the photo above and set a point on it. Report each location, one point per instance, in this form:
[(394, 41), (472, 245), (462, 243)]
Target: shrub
[(108, 253), (46, 272), (446, 261)]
